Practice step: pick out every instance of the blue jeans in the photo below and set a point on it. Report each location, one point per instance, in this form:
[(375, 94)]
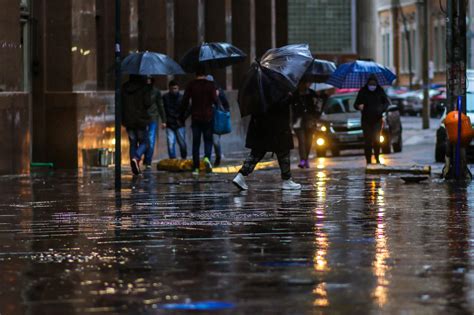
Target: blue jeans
[(204, 129), (152, 130), (138, 142), (176, 135)]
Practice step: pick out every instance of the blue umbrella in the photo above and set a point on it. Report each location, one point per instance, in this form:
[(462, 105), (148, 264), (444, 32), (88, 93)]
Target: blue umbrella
[(150, 63), (354, 75)]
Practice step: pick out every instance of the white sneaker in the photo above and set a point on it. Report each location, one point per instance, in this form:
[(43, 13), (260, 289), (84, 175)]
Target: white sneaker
[(239, 181), (290, 185)]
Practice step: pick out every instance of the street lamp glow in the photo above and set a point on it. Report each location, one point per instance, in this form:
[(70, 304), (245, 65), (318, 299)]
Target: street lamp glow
[(320, 142), (324, 129), (382, 139)]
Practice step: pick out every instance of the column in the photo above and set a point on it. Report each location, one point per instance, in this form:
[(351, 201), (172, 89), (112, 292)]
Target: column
[(243, 35)]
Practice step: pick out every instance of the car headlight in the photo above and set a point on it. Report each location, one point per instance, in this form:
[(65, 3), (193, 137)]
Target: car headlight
[(322, 127)]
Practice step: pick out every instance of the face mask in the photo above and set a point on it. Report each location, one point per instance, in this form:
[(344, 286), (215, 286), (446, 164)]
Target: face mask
[(372, 88)]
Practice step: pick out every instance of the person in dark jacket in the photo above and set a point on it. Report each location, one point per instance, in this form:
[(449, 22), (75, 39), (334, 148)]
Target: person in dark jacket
[(216, 139), (175, 127), (136, 101), (372, 102), (157, 113), (307, 108), (269, 132), (202, 94)]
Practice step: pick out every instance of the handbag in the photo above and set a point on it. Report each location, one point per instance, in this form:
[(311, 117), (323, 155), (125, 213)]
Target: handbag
[(221, 123)]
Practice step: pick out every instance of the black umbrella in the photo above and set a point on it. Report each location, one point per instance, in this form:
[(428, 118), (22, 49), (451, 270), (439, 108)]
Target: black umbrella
[(212, 56), (320, 71), (150, 63), (271, 78)]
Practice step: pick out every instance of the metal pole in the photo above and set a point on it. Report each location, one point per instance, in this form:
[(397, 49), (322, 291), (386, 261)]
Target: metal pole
[(456, 59), (118, 107), (426, 76)]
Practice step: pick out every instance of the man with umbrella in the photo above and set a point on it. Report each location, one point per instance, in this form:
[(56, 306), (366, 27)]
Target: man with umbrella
[(372, 102), (136, 102), (201, 95), (265, 95)]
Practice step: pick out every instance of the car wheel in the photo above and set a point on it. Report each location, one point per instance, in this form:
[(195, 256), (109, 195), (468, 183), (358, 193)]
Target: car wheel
[(397, 147), (321, 152), (440, 153), (335, 152)]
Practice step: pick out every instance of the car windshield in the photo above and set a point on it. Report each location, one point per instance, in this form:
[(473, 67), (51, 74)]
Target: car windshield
[(340, 105)]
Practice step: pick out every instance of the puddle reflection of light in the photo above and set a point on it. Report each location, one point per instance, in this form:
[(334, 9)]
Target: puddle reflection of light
[(321, 295), (321, 163), (320, 262), (379, 264)]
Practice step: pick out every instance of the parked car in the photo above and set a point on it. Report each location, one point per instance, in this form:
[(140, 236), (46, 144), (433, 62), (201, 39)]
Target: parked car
[(414, 101), (340, 128), (438, 103)]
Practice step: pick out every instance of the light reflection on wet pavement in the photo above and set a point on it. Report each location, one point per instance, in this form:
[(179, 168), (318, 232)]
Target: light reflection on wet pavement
[(347, 243)]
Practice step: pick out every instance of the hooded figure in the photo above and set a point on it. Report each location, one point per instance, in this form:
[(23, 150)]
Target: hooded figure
[(372, 102)]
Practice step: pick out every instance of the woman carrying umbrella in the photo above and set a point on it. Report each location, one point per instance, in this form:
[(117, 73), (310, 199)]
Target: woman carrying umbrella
[(372, 102), (307, 108)]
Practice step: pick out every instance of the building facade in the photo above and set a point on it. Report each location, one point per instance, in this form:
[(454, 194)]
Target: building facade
[(57, 64), (400, 39)]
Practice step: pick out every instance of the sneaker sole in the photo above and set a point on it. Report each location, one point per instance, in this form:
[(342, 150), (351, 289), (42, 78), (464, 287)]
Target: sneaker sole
[(238, 186), (287, 188)]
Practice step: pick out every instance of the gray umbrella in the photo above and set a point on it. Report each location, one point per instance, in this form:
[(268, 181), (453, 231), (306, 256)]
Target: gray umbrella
[(271, 78), (150, 63)]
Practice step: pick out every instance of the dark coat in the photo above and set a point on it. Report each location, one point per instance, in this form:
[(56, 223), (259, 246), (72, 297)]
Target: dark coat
[(172, 104), (136, 101), (307, 108), (375, 104), (271, 132)]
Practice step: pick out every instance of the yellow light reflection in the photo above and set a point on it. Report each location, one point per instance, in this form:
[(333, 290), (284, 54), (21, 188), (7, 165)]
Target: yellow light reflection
[(379, 265), (320, 261), (321, 163), (321, 295)]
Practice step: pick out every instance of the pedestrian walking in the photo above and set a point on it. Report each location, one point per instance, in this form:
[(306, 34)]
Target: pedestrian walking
[(306, 107), (372, 102), (136, 102), (175, 125), (200, 95), (223, 103), (269, 132), (157, 113)]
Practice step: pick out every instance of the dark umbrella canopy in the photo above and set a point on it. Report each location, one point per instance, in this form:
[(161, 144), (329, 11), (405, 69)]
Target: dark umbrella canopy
[(150, 63), (212, 56), (270, 79), (320, 71)]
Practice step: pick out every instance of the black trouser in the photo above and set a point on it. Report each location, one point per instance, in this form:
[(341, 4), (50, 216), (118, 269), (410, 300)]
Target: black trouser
[(255, 156), (372, 140), (204, 129), (305, 141)]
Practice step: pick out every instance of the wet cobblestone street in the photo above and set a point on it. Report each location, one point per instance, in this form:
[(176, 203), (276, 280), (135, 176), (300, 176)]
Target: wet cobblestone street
[(348, 243)]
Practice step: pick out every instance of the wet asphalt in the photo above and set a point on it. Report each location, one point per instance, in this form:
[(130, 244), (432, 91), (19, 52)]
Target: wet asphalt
[(171, 243)]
